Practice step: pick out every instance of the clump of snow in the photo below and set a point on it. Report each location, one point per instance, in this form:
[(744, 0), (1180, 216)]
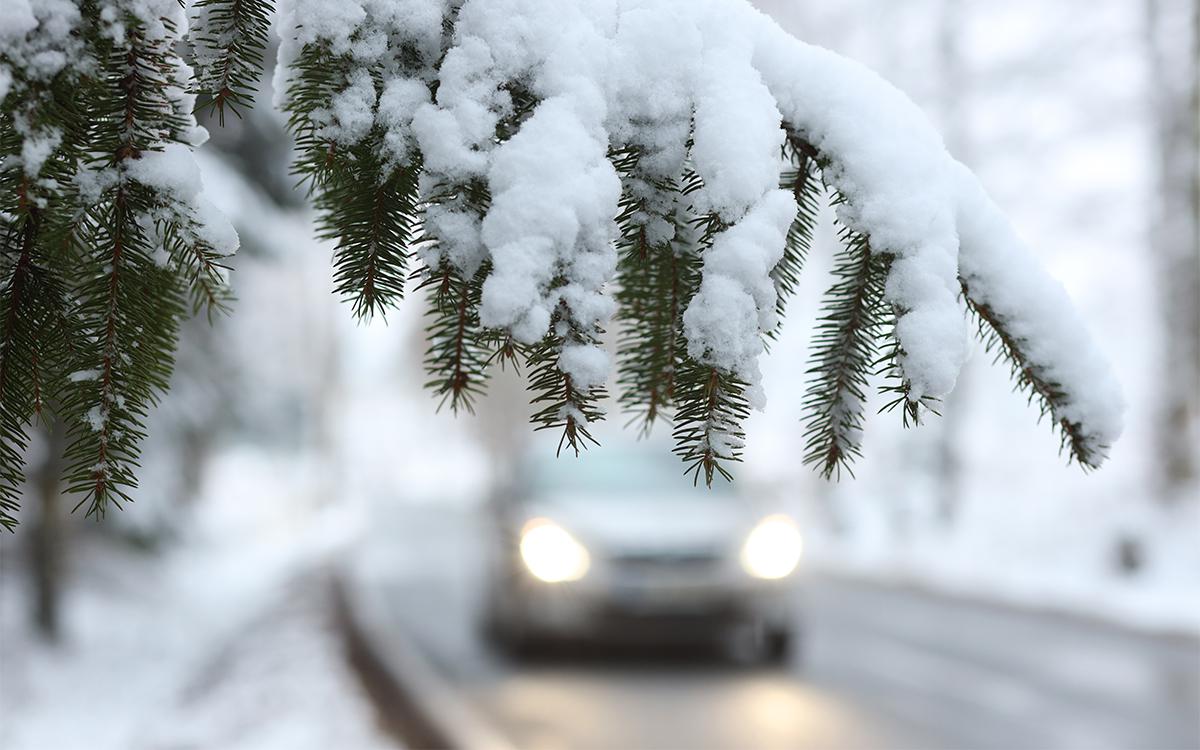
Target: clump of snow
[(554, 198), (736, 299), (35, 151), (96, 418), (1003, 274), (587, 365), (398, 104), (897, 179), (37, 41), (737, 129), (353, 110), (174, 173)]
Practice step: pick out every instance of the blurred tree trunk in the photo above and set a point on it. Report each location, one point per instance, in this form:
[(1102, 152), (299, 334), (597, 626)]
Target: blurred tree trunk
[(46, 540), (1173, 47)]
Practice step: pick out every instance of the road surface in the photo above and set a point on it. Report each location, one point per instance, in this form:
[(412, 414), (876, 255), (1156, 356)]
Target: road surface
[(881, 668)]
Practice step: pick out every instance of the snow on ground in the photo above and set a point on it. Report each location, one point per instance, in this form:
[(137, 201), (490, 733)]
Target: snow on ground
[(223, 640), (1058, 559)]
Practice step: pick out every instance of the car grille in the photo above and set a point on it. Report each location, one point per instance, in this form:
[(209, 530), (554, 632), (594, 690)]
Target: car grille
[(683, 561)]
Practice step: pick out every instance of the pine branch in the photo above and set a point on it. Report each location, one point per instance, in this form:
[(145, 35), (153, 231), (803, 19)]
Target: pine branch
[(711, 409), (34, 331), (128, 306), (316, 76), (367, 205), (229, 38), (460, 350), (372, 214), (18, 353), (34, 338), (657, 274), (898, 387), (803, 181), (1049, 395), (711, 404), (846, 344), (201, 267), (130, 311), (563, 405)]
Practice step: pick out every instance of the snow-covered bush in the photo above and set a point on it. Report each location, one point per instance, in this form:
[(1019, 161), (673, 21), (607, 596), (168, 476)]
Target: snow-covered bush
[(544, 171)]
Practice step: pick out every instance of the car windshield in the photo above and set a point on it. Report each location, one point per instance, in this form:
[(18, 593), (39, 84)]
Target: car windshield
[(619, 474)]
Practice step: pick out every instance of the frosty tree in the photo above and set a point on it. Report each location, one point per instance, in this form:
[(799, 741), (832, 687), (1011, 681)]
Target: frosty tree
[(541, 171)]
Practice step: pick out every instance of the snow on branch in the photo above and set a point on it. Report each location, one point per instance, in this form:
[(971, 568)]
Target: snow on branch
[(106, 235), (673, 115), (549, 167)]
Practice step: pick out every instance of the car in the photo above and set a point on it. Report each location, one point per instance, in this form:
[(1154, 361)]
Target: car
[(620, 545)]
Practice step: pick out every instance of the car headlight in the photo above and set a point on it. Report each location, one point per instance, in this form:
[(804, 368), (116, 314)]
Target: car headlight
[(772, 550), (551, 554)]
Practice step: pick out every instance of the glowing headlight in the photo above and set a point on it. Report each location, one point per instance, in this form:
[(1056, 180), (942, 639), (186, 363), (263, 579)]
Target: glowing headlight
[(551, 554), (772, 550)]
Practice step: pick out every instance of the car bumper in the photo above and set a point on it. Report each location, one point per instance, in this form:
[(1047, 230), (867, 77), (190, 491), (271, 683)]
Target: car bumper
[(641, 610)]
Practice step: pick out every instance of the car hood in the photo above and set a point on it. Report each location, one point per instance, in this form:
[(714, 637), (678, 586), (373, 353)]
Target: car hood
[(649, 524)]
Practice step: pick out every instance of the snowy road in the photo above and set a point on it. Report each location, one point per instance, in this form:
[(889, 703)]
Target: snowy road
[(881, 668)]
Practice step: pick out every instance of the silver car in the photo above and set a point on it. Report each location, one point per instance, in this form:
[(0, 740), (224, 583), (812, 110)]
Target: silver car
[(621, 545)]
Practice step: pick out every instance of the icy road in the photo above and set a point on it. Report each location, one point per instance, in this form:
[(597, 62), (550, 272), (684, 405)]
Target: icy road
[(881, 668)]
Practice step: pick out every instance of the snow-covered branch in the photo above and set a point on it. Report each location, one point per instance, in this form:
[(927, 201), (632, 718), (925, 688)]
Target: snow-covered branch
[(551, 166)]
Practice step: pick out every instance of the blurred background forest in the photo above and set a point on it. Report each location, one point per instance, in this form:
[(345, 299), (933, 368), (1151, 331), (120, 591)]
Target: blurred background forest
[(290, 431)]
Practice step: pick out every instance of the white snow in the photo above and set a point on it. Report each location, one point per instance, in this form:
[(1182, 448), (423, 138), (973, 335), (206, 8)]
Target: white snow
[(36, 40), (398, 104), (96, 418), (224, 638), (736, 299), (174, 172), (895, 174), (737, 132), (554, 198), (1004, 274), (36, 149), (353, 110), (587, 365)]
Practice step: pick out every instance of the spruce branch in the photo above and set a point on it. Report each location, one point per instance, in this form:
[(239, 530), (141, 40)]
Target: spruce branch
[(1039, 388), (897, 387), (16, 387), (657, 274), (32, 345), (366, 204), (128, 305), (846, 344), (460, 350), (371, 212), (803, 181), (228, 39), (561, 403), (711, 404), (35, 332), (712, 407), (130, 311), (102, 250), (201, 267), (316, 76)]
